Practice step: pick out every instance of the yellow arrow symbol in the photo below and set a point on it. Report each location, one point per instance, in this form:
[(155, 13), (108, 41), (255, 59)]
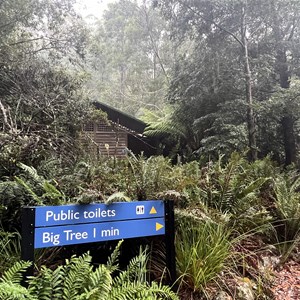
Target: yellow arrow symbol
[(158, 226), (153, 211)]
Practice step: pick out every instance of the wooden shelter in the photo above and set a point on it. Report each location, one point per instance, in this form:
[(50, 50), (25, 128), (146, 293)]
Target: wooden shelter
[(119, 134)]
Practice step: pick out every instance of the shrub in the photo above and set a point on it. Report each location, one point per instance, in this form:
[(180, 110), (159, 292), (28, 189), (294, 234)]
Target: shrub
[(201, 249), (287, 201), (229, 187), (10, 249)]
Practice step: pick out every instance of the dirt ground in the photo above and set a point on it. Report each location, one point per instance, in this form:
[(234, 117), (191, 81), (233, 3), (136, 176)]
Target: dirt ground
[(286, 285)]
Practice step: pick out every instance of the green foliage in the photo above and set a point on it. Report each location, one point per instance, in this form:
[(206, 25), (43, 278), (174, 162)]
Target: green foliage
[(229, 188), (283, 103), (129, 57), (10, 249), (117, 197), (79, 280), (287, 203), (42, 104), (112, 262), (9, 291), (75, 278), (107, 180), (209, 78), (12, 197), (41, 190), (174, 134), (256, 219), (202, 249), (185, 181), (150, 175), (14, 274), (28, 188)]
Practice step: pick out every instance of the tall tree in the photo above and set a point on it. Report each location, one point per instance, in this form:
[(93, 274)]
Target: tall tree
[(280, 37), (228, 21), (286, 18), (41, 104), (259, 35), (130, 57)]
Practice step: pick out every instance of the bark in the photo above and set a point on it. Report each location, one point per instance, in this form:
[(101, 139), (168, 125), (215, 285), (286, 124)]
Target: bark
[(287, 124), (282, 68), (243, 41), (249, 98), (287, 121)]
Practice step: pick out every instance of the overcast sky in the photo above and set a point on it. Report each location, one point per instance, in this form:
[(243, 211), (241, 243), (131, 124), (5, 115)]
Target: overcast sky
[(92, 7)]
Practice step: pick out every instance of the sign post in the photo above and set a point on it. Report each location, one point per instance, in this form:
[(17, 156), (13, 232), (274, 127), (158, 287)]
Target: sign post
[(51, 226), (169, 241), (27, 241)]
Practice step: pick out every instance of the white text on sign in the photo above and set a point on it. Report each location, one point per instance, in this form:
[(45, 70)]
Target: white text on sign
[(71, 215)]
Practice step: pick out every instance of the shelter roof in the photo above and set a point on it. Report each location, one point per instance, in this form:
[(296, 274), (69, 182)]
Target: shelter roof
[(122, 118)]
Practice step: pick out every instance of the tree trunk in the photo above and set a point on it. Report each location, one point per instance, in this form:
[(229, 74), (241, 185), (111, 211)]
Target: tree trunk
[(287, 121), (287, 124), (282, 68), (248, 81)]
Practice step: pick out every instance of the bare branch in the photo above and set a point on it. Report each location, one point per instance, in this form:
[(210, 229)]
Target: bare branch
[(26, 41), (155, 49)]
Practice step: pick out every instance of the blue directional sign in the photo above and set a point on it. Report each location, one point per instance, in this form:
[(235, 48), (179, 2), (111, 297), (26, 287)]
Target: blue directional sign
[(50, 226), (93, 213), (97, 232)]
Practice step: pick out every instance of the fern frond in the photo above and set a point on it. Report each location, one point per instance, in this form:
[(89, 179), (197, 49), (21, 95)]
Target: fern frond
[(29, 190), (118, 196), (91, 295), (48, 284), (10, 291), (31, 171), (99, 284), (51, 192), (136, 270), (77, 273), (142, 291), (112, 261), (15, 273)]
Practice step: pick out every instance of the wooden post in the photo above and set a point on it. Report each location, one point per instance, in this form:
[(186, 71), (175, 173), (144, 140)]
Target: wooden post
[(27, 241), (170, 241)]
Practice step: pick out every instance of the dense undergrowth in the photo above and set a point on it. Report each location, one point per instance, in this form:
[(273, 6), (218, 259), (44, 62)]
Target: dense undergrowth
[(229, 215)]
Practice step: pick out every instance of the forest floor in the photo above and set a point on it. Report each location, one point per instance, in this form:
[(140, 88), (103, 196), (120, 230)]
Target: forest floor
[(281, 282), (287, 282)]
